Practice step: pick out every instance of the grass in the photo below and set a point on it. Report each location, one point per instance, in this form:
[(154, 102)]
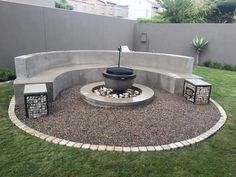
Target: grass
[(25, 155), (7, 74)]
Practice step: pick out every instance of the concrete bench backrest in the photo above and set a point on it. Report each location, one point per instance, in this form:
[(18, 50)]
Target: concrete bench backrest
[(30, 65)]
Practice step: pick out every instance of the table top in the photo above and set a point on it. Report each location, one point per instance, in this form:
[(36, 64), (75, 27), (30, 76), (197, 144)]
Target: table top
[(198, 82), (35, 88)]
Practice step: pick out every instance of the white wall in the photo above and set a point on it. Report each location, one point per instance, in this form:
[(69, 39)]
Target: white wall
[(140, 9), (43, 3)]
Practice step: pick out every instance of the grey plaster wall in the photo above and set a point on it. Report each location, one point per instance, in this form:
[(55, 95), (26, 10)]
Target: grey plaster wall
[(177, 39), (28, 29), (44, 3)]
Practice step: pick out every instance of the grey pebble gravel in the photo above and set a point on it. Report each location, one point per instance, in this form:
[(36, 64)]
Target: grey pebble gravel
[(168, 119)]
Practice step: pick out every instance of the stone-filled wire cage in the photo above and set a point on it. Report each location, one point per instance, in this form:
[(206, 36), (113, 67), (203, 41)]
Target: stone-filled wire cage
[(36, 101), (197, 91)]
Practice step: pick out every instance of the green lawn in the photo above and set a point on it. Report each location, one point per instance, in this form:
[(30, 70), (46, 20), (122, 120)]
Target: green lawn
[(24, 155)]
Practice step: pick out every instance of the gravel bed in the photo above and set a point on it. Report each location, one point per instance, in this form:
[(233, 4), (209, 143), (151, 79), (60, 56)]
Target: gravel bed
[(169, 118)]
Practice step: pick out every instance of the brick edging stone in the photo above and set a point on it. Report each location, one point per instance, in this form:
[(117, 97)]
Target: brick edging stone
[(6, 82), (176, 145)]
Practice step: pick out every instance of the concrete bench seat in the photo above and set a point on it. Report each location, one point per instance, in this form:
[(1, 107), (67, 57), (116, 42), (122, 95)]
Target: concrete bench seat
[(160, 78), (60, 78), (87, 68), (51, 74)]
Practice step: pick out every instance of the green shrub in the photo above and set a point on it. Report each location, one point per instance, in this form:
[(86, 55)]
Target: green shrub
[(228, 67), (183, 11), (63, 4), (7, 74), (158, 18), (3, 76), (207, 63), (199, 43), (217, 65)]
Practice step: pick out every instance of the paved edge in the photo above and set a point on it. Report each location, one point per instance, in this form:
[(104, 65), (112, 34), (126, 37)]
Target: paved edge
[(171, 146), (6, 82)]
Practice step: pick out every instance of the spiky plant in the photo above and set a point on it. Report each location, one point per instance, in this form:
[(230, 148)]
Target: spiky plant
[(199, 43)]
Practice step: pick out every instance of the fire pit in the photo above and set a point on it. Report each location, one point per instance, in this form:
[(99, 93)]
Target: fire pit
[(97, 94), (118, 89), (119, 78)]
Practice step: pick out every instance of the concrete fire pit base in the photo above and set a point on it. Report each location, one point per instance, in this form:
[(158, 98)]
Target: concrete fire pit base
[(90, 97)]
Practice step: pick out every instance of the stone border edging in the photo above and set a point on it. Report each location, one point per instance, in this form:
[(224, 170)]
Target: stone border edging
[(6, 82), (176, 145)]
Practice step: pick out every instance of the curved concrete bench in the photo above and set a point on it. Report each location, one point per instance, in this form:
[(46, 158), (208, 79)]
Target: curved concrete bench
[(64, 69)]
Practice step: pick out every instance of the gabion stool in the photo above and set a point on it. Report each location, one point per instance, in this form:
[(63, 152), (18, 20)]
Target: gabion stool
[(197, 91), (36, 100)]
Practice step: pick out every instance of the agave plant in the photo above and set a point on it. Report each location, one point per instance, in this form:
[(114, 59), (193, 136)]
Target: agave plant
[(199, 43)]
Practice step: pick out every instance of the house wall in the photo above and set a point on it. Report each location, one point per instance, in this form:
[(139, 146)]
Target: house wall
[(140, 9), (99, 8), (28, 29), (177, 39), (121, 11)]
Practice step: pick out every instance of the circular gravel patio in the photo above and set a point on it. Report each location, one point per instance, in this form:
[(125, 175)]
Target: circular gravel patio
[(167, 119)]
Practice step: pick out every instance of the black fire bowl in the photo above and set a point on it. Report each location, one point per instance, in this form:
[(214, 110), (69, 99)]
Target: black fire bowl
[(119, 78)]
